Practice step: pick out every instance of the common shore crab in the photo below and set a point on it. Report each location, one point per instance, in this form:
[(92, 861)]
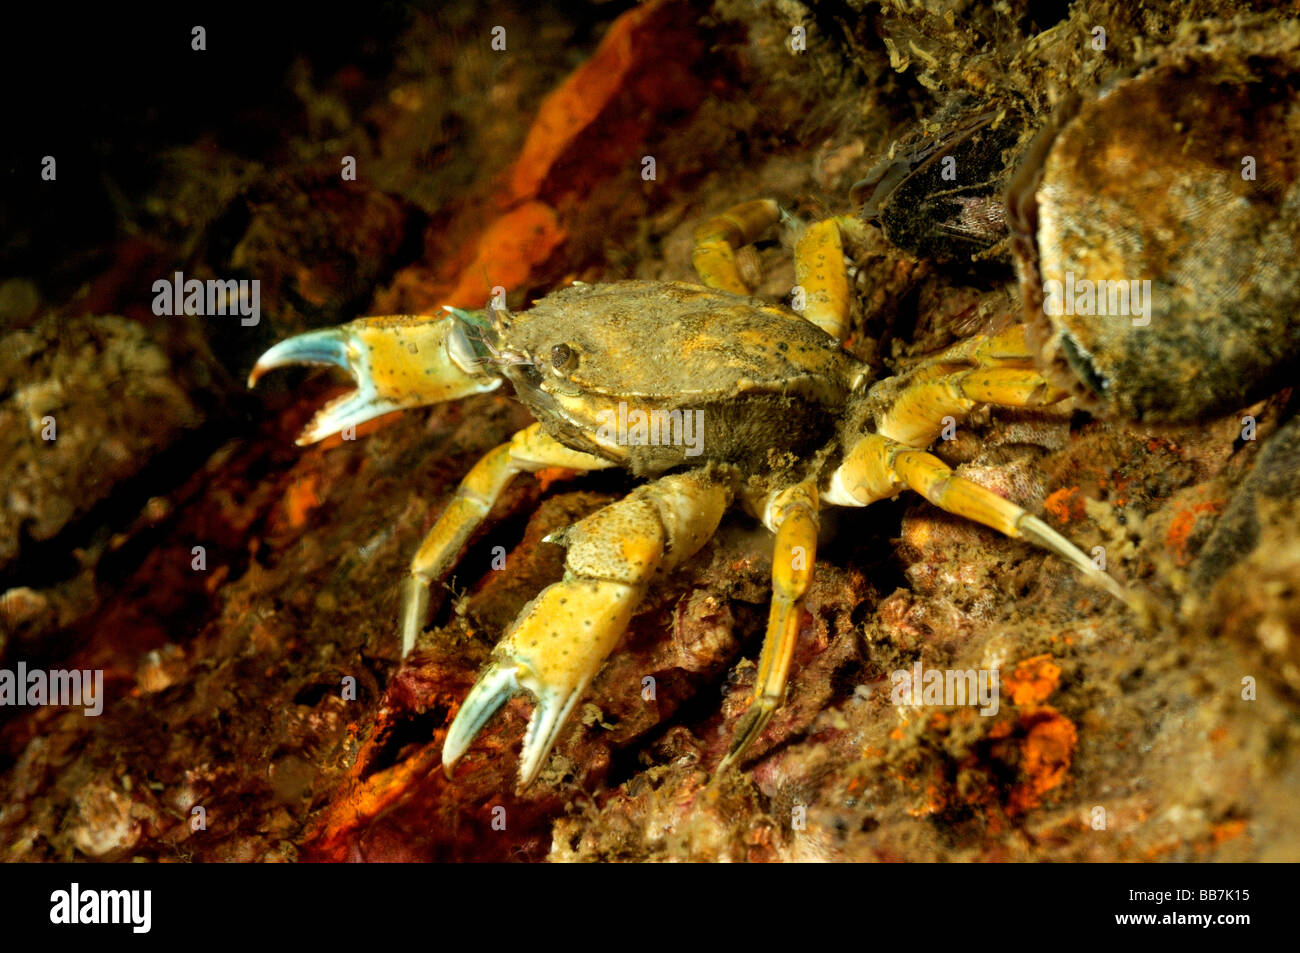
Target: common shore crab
[(789, 422), (1135, 183)]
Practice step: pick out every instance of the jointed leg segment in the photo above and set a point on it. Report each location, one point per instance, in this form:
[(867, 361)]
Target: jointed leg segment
[(527, 451), (820, 272), (916, 416), (562, 637), (792, 515), (717, 239), (878, 468), (818, 259), (987, 369)]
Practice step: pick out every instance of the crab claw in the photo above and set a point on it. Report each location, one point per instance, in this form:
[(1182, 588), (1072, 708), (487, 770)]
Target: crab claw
[(398, 362), (552, 652)]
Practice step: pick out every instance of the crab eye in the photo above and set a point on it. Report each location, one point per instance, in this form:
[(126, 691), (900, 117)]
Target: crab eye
[(562, 357)]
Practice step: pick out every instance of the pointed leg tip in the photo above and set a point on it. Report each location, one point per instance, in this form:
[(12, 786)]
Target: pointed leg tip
[(528, 773), (415, 610), (751, 726)]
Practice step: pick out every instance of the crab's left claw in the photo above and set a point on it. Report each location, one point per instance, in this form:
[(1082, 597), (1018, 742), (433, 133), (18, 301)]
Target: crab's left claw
[(398, 362)]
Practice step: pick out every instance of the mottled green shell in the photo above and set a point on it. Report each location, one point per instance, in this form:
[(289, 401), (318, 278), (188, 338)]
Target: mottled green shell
[(764, 379)]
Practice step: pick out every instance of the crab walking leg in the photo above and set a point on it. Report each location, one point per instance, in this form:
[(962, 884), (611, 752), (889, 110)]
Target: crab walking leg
[(818, 259), (820, 272), (986, 369), (717, 239), (398, 362), (1007, 348), (792, 515), (560, 639), (878, 468), (527, 451), (916, 415)]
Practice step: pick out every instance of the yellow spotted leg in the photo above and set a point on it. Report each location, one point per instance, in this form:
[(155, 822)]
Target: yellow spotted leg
[(916, 417), (718, 238), (821, 294), (986, 369), (792, 515), (821, 278), (990, 369), (527, 451), (560, 639), (879, 468)]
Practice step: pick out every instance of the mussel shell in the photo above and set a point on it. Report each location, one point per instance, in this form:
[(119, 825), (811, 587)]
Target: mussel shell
[(1145, 181), (952, 212)]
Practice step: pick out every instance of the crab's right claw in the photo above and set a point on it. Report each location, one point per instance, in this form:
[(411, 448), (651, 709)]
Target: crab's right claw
[(560, 639), (398, 362), (553, 651)]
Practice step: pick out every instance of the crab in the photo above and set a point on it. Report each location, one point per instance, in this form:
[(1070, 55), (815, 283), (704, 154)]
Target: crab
[(787, 422)]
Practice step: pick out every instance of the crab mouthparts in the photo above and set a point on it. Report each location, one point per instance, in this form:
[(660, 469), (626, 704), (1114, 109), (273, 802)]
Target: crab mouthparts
[(477, 339)]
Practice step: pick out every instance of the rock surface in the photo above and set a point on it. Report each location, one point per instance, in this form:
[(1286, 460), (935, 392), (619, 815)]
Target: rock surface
[(240, 594)]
